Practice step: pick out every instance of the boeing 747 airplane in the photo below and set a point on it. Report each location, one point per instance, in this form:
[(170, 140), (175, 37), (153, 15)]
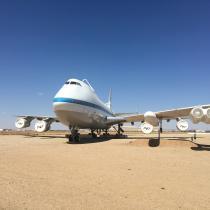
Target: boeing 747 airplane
[(77, 106)]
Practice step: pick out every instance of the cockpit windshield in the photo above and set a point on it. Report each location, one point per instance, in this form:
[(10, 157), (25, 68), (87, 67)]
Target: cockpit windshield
[(75, 83), (72, 83)]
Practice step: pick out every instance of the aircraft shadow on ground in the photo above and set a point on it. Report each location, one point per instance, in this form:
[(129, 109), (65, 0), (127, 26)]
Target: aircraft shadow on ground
[(83, 139), (90, 140), (44, 136), (153, 142), (166, 138), (201, 147)]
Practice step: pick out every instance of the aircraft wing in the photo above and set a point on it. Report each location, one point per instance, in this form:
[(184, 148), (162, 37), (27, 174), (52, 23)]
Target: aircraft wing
[(165, 115), (124, 114), (31, 117), (43, 123)]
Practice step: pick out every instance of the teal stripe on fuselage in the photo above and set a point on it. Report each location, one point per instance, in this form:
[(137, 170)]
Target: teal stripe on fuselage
[(84, 103)]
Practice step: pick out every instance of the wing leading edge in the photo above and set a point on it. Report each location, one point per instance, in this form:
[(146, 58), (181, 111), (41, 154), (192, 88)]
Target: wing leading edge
[(43, 123), (164, 115), (31, 117)]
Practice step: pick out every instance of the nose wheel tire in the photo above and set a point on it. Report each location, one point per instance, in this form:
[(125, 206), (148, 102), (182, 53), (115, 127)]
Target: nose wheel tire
[(75, 136), (74, 139)]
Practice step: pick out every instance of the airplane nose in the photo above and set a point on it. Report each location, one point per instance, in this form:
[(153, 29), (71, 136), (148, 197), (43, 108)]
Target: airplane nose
[(58, 105), (60, 110)]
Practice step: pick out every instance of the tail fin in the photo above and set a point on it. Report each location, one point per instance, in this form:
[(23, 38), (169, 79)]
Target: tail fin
[(109, 103)]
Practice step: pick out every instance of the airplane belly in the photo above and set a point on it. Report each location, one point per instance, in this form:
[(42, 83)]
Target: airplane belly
[(79, 116)]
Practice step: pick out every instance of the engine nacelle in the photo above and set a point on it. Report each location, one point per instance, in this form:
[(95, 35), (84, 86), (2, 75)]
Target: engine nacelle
[(42, 126), (151, 118), (197, 115), (146, 128), (22, 123), (207, 116), (182, 125)]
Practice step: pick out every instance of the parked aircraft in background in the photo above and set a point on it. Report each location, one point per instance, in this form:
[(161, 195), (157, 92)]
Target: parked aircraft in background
[(77, 106)]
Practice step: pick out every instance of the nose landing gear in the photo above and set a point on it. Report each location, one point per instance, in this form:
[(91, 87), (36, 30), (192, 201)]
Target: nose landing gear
[(75, 136)]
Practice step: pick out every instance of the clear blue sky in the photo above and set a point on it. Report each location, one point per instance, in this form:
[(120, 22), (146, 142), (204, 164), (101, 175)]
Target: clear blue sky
[(154, 54)]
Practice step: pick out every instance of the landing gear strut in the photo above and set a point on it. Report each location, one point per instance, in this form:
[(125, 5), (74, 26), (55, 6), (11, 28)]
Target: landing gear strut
[(97, 133), (161, 126), (119, 130), (93, 134), (194, 136), (75, 136), (155, 142), (160, 129), (106, 132)]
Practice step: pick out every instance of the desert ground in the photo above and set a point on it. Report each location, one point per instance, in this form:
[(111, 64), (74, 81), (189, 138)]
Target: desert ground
[(46, 172)]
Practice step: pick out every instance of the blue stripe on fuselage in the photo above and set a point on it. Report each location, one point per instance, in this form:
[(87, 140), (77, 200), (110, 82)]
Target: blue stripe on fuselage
[(85, 103)]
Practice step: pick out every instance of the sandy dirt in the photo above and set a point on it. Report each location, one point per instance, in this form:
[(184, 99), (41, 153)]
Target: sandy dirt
[(48, 173)]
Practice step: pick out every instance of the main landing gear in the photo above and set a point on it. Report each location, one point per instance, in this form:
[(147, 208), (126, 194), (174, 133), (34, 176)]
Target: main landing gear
[(160, 129), (119, 130), (75, 136), (95, 133), (155, 142)]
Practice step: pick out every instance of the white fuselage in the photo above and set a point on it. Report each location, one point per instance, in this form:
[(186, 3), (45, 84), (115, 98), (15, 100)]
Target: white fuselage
[(77, 105)]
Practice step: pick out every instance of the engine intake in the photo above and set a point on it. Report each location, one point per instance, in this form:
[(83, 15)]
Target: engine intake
[(22, 123), (42, 126), (197, 115), (146, 128), (207, 115), (182, 125)]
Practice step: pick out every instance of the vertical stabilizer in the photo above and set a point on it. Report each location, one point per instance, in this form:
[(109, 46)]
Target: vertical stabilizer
[(109, 103)]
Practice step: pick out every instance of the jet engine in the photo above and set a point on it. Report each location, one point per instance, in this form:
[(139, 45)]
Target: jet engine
[(146, 128), (151, 118), (207, 116), (42, 126), (22, 123), (182, 125), (197, 115)]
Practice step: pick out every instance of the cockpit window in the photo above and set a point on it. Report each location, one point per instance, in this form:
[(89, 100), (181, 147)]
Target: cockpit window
[(75, 83), (72, 83)]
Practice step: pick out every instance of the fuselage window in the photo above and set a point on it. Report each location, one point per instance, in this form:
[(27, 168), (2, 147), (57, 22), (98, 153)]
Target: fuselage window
[(67, 83)]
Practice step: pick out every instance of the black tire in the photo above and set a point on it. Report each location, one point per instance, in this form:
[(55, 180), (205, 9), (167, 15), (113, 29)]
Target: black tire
[(94, 135), (154, 142), (70, 138), (76, 139)]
